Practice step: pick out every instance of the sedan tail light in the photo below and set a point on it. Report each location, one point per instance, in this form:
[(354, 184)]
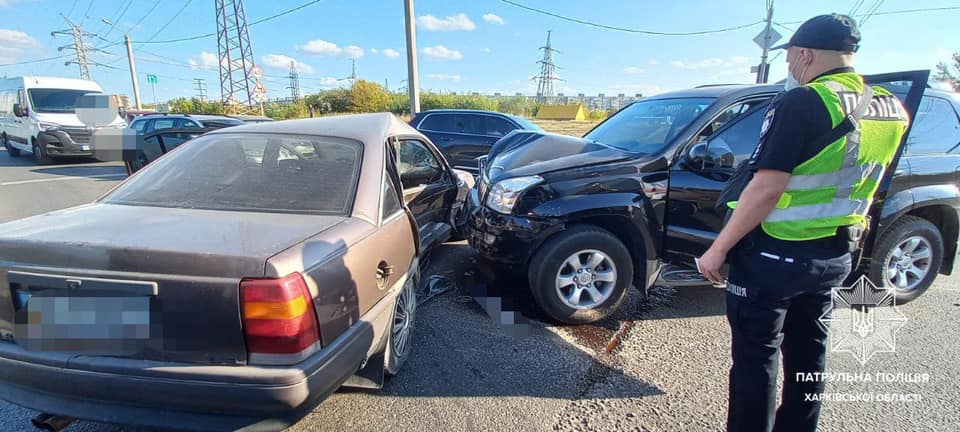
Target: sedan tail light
[(279, 321)]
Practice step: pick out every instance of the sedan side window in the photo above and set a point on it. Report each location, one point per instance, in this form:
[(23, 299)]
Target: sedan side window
[(418, 166)]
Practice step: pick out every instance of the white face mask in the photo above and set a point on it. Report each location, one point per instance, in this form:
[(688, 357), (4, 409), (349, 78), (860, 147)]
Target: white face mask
[(792, 81)]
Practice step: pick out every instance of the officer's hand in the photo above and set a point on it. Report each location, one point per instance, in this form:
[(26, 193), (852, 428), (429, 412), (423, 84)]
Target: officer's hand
[(710, 264)]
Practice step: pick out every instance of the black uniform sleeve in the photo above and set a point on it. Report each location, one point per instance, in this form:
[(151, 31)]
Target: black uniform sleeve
[(792, 122)]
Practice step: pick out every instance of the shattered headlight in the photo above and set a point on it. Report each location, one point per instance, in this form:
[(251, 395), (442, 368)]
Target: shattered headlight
[(505, 193)]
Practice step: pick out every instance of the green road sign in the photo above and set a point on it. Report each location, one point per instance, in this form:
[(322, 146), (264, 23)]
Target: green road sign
[(151, 79)]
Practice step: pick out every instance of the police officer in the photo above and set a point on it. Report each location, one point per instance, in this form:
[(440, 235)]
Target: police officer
[(824, 146)]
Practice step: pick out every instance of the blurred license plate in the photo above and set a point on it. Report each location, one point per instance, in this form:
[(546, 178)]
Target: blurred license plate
[(83, 324), (85, 148)]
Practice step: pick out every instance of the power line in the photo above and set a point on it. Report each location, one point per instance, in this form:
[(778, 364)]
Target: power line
[(164, 26), (629, 30), (857, 4), (253, 23), (85, 13), (898, 12), (37, 60), (113, 23), (72, 5), (871, 12), (155, 4)]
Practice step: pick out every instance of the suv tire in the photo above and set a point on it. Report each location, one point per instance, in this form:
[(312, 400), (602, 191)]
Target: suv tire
[(13, 151), (40, 155), (554, 278), (914, 245)]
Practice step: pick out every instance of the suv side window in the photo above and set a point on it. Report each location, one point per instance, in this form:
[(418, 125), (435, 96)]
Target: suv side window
[(498, 127), (437, 123), (187, 123), (163, 123), (728, 115), (936, 129), (139, 125), (471, 124), (743, 136), (148, 126), (418, 166)]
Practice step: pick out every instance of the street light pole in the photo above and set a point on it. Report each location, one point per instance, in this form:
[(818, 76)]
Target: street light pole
[(133, 72), (763, 72), (413, 77)]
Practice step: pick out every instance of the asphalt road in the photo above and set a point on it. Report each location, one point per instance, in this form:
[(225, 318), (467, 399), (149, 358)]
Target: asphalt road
[(667, 369)]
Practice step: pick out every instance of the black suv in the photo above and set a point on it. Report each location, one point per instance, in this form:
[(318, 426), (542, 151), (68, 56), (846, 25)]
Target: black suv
[(587, 217), (465, 135)]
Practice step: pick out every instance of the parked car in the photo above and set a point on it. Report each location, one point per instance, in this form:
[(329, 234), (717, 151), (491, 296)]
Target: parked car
[(248, 119), (257, 269), (156, 143), (38, 115), (131, 115), (586, 218), (465, 135), (158, 121)]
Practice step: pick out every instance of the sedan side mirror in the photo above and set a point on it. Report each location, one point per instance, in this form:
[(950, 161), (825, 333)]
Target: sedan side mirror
[(19, 111)]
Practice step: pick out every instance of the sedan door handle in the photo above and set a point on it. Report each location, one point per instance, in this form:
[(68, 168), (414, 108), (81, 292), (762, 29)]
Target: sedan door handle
[(384, 270)]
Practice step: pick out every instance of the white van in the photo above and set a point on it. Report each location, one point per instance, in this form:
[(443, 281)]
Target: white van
[(38, 116)]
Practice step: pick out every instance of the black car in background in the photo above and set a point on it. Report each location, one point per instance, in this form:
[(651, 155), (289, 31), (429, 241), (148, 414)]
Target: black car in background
[(585, 219), (148, 123), (465, 135), (158, 142)]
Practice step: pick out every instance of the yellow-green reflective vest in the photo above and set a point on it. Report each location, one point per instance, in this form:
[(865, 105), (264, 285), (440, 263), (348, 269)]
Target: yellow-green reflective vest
[(836, 187)]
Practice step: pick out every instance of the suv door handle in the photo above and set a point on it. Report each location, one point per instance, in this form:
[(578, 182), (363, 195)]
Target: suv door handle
[(901, 172)]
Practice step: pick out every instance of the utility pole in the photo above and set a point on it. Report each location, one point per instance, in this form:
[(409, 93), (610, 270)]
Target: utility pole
[(294, 82), (766, 38), (200, 85), (235, 58), (133, 72), (548, 72), (413, 77), (78, 46)]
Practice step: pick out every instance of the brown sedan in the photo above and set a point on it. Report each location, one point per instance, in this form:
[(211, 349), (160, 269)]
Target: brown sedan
[(237, 280)]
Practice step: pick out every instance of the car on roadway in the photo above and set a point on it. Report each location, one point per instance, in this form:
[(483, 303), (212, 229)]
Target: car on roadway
[(148, 123), (465, 135), (585, 218), (236, 281), (250, 119)]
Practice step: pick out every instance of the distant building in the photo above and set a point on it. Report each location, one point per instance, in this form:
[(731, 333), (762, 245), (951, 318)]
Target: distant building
[(562, 112)]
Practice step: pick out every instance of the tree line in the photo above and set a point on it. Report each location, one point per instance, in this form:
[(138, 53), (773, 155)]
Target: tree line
[(365, 96)]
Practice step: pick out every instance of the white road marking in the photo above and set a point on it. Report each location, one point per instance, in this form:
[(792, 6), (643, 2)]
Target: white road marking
[(20, 182)]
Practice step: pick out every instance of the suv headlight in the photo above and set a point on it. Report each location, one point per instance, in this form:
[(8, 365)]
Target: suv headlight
[(504, 195), (47, 127)]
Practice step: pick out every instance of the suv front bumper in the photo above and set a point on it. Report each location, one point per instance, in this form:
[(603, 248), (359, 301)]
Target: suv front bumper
[(505, 239)]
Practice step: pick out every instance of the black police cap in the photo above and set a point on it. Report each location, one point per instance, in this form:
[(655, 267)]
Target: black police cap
[(827, 32)]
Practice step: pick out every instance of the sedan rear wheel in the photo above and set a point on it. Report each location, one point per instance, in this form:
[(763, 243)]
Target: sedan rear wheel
[(401, 329)]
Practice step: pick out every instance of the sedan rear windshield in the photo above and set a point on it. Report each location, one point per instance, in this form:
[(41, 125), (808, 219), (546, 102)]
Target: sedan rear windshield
[(250, 172), (647, 126)]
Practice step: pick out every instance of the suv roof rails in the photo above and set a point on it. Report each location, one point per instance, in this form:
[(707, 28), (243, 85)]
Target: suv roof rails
[(165, 114), (716, 85)]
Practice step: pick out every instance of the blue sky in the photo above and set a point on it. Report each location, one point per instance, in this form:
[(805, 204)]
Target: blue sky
[(478, 45)]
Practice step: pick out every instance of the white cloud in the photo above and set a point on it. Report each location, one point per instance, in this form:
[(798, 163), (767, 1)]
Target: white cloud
[(442, 52), (374, 51), (493, 19), (5, 3), (280, 61), (485, 50), (321, 47), (711, 63), (391, 53), (204, 61), (445, 77), (14, 43), (653, 62), (633, 70), (451, 23)]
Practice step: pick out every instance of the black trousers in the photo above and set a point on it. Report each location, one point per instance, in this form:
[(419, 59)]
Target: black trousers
[(776, 294)]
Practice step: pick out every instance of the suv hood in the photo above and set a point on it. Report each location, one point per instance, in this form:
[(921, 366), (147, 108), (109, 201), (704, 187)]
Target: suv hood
[(531, 153)]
